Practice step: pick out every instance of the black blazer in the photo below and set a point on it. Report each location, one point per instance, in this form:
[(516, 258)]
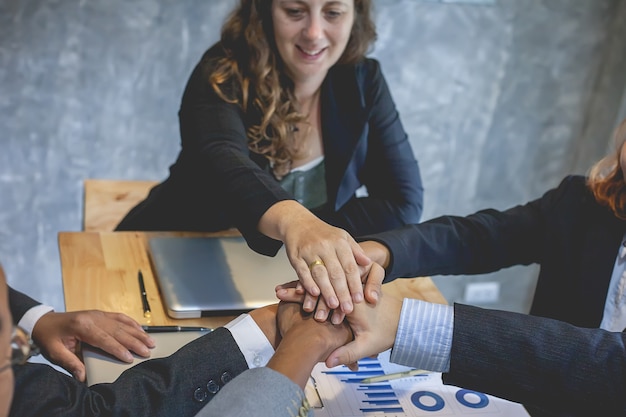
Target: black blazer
[(217, 183), (172, 386), (178, 385)]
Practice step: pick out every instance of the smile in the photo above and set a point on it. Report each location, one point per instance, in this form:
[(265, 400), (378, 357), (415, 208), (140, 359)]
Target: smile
[(311, 52)]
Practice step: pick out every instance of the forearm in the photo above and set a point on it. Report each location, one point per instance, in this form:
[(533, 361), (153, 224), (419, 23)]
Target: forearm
[(518, 357), (159, 387), (295, 362), (277, 220)]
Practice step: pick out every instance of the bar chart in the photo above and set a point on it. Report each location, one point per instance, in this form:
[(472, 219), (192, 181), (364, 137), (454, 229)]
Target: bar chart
[(340, 392)]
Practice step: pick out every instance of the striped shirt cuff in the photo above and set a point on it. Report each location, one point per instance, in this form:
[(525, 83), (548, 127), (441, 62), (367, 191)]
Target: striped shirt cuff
[(424, 336)]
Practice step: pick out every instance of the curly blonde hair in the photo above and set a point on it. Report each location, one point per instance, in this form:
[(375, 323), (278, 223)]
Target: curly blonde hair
[(251, 75), (606, 178)]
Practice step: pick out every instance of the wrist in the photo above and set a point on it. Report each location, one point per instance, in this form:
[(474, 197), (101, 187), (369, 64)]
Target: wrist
[(265, 318), (276, 220), (377, 252)]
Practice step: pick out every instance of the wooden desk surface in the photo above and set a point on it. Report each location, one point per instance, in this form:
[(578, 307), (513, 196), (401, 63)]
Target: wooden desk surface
[(99, 271)]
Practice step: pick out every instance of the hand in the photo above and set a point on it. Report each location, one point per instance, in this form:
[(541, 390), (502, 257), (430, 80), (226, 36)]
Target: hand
[(308, 239), (372, 276), (58, 335), (305, 342), (374, 328)]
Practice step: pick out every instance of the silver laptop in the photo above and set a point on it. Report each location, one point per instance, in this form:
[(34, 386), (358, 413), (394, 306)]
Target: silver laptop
[(204, 276)]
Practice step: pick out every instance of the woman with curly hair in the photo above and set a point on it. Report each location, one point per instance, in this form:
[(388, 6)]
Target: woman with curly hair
[(284, 124)]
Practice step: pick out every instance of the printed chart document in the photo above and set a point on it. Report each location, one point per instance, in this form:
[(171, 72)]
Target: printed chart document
[(338, 392)]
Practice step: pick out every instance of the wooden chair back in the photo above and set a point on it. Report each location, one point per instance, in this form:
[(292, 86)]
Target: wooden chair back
[(106, 202)]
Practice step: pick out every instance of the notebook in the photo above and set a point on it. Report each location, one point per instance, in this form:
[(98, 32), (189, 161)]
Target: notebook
[(205, 276), (101, 367)]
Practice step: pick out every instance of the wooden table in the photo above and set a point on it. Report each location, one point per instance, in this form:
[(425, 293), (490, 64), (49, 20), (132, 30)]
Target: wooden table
[(99, 271)]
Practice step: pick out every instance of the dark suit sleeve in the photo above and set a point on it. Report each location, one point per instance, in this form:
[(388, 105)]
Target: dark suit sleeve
[(539, 362), (19, 304), (215, 175), (483, 242), (215, 131), (165, 387)]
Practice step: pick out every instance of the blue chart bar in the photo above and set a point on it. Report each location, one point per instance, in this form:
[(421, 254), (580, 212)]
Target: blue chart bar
[(376, 398)]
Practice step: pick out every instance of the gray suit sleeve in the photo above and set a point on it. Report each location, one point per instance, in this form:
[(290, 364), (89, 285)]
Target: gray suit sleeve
[(258, 392)]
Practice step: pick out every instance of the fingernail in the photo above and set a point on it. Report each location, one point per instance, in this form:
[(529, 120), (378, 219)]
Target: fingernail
[(333, 302), (320, 315), (358, 297), (333, 362), (128, 357), (346, 308), (374, 295)]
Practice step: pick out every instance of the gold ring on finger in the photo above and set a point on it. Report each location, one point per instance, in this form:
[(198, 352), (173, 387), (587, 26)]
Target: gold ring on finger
[(315, 263)]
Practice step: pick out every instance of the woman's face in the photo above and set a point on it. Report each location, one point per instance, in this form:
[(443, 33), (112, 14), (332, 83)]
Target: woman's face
[(311, 35), (6, 373)]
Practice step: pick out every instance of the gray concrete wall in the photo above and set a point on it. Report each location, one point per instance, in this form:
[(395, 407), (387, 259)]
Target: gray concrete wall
[(500, 98)]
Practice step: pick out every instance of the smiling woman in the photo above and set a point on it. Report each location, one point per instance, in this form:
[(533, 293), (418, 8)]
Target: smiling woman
[(283, 123)]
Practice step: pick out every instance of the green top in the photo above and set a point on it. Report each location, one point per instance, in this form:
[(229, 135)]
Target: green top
[(307, 184)]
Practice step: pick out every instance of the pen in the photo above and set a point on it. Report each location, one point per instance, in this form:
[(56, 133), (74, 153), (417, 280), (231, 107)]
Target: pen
[(144, 296), (163, 329), (397, 375)]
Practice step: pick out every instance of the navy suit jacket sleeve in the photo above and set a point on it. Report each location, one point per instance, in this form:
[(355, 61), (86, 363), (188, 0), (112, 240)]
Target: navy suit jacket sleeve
[(164, 387), (539, 362), (19, 304)]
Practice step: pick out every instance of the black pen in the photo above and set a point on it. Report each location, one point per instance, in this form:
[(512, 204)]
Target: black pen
[(163, 329), (144, 296)]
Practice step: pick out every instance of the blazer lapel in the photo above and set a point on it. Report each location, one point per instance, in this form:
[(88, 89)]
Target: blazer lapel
[(344, 119)]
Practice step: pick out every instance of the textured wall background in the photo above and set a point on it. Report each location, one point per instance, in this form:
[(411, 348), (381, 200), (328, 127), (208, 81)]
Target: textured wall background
[(500, 98)]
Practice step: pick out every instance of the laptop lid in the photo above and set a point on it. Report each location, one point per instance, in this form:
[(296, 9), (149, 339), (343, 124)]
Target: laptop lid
[(204, 276)]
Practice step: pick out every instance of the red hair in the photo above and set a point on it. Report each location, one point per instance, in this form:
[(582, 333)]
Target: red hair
[(606, 178)]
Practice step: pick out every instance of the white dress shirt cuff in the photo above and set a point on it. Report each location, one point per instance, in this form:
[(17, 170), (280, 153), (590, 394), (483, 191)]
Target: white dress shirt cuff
[(424, 336), (30, 318), (251, 340)]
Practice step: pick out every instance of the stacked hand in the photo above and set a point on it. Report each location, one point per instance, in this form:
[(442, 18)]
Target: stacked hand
[(373, 325), (305, 342), (331, 267)]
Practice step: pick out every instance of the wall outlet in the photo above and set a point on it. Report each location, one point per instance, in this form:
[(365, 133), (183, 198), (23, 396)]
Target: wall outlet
[(482, 292)]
